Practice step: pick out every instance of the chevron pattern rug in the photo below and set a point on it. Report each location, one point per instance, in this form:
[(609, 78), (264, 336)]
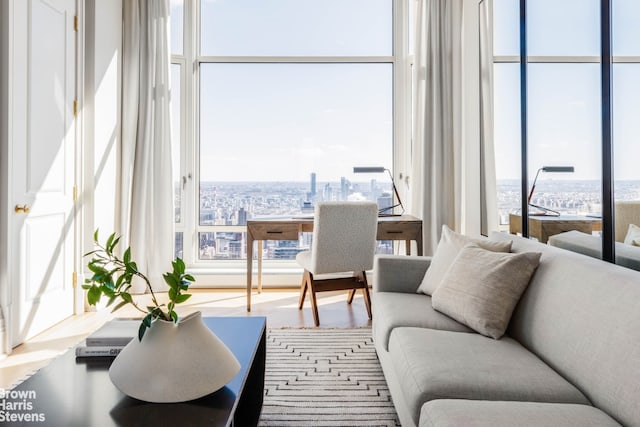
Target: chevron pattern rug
[(324, 377)]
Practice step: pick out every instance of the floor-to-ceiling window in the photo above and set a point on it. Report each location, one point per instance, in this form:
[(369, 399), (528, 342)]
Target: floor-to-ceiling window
[(625, 82), (277, 102), (564, 104), (506, 69)]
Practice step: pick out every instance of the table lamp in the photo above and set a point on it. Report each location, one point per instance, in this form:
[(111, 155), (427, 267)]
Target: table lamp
[(546, 211), (380, 169)]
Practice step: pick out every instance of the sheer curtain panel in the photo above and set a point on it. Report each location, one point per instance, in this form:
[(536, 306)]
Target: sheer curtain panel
[(437, 147), (452, 164), (146, 190)]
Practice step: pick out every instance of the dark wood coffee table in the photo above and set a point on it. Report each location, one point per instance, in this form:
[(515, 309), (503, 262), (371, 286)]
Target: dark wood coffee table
[(78, 392)]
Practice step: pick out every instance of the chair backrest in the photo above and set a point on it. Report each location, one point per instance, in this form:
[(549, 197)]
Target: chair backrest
[(344, 237), (627, 212)]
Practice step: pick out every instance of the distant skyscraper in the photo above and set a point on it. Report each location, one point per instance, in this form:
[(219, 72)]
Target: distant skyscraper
[(344, 188), (242, 217), (327, 193), (313, 184)]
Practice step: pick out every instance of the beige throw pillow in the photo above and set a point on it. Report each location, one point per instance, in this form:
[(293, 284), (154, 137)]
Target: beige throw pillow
[(482, 288), (633, 233), (447, 250)]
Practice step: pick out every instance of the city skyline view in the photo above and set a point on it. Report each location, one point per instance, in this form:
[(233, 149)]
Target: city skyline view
[(233, 203)]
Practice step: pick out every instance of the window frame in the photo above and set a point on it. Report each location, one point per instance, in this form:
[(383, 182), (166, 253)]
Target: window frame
[(607, 59), (233, 272)]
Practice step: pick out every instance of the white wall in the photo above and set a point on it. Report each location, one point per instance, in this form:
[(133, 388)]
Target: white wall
[(101, 115)]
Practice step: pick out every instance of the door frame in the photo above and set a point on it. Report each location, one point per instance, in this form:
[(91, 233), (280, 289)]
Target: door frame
[(5, 94)]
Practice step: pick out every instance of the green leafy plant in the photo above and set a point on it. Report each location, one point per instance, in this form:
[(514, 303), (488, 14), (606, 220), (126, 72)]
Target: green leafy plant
[(112, 278)]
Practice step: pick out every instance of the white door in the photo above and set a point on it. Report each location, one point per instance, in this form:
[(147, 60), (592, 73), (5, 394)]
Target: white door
[(42, 153)]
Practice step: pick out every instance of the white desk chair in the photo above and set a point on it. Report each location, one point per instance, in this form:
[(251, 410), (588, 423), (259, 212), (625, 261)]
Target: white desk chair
[(344, 240)]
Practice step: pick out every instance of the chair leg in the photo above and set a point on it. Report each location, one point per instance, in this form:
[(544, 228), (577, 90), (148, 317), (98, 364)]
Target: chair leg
[(303, 289), (367, 297), (352, 293), (314, 303)]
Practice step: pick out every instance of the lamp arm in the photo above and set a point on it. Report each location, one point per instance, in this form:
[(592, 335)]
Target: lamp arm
[(533, 187), (550, 211), (395, 191)]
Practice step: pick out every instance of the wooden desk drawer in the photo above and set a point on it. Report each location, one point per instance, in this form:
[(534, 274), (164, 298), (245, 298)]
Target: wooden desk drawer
[(401, 231), (274, 231)]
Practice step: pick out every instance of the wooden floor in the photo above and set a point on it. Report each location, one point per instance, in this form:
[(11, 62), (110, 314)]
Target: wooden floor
[(280, 307)]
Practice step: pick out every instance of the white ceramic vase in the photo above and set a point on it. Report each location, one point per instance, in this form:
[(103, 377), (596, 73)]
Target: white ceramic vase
[(174, 362)]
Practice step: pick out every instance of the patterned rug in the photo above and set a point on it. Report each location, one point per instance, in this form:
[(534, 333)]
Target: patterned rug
[(324, 377)]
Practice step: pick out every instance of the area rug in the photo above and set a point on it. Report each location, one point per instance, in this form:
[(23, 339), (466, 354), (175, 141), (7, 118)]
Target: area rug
[(324, 377)]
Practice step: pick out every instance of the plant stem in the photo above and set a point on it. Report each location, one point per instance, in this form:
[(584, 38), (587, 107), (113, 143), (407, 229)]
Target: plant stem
[(116, 261)]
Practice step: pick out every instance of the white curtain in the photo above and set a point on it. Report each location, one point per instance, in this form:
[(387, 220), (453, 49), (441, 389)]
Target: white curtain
[(146, 190), (449, 164), (437, 141)]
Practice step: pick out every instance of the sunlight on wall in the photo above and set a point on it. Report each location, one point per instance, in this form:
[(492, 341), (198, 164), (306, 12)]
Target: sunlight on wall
[(106, 114)]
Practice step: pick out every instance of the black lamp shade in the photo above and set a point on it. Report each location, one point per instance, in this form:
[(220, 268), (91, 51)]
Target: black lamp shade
[(368, 169), (558, 169)]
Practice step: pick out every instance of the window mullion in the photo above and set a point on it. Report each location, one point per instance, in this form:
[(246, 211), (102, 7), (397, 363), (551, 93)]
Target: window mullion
[(190, 193)]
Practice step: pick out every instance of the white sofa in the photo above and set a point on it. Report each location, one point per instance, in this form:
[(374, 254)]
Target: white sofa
[(590, 245), (626, 212), (571, 355)]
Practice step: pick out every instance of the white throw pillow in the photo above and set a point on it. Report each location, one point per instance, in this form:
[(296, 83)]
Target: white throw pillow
[(633, 233), (447, 250), (482, 288)]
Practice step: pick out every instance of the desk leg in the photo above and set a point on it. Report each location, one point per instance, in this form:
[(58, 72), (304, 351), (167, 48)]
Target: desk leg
[(407, 247), (249, 269), (419, 242), (260, 243)]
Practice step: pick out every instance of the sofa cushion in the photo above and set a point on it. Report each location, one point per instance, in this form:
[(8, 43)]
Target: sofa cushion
[(633, 233), (396, 309), (482, 413), (446, 252), (588, 244), (581, 316), (482, 288), (434, 364)]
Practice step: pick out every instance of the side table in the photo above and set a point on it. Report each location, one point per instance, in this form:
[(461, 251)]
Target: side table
[(74, 391)]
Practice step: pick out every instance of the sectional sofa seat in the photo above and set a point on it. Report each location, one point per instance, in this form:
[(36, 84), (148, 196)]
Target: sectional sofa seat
[(627, 255), (570, 356), (588, 244)]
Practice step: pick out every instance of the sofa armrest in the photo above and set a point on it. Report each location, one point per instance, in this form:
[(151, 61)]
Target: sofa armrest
[(399, 273)]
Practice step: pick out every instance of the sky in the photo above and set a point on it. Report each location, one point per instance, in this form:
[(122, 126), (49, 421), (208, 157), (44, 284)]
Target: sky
[(280, 122), (277, 122), (564, 99)]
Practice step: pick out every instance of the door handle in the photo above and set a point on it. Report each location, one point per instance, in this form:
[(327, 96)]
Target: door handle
[(24, 209)]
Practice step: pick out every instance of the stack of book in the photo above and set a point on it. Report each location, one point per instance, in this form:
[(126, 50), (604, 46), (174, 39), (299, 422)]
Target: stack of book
[(109, 339)]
